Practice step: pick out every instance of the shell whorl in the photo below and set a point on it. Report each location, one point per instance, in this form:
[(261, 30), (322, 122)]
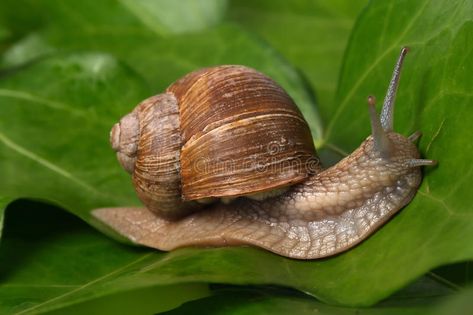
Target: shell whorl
[(156, 175), (241, 133), (124, 139)]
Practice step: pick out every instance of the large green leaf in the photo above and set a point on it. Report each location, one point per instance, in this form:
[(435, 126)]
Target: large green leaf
[(55, 115), (50, 260), (237, 301), (311, 34)]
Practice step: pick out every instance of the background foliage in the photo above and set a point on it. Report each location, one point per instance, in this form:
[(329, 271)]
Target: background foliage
[(69, 70)]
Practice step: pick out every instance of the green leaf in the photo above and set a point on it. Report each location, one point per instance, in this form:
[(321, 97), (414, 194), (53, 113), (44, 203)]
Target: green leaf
[(311, 34), (277, 301), (39, 239), (236, 302), (273, 300), (51, 260)]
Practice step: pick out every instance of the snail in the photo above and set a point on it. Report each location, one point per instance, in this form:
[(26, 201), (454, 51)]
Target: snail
[(224, 157)]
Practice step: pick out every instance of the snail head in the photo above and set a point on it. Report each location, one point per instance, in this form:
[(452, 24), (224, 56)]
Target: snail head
[(400, 150)]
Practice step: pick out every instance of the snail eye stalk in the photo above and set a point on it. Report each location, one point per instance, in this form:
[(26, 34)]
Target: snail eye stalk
[(421, 162), (415, 136), (381, 140), (387, 113)]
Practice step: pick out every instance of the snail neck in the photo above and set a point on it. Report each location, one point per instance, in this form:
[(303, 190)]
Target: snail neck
[(336, 192), (364, 181)]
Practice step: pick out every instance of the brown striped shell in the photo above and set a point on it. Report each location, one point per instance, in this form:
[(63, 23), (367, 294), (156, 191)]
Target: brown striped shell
[(218, 132)]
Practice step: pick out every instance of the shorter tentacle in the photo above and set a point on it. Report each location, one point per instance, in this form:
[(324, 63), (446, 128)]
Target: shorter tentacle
[(381, 140), (415, 136), (421, 162)]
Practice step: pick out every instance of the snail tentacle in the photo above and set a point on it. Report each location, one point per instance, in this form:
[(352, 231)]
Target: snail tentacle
[(415, 136), (387, 118), (421, 162), (382, 144)]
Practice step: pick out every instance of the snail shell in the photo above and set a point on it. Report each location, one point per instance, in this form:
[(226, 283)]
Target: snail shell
[(219, 132)]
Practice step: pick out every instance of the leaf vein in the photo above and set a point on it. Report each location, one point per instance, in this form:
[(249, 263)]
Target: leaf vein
[(40, 100), (86, 284), (32, 156)]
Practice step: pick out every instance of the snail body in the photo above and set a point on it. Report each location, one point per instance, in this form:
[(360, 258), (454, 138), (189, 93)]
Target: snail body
[(229, 131)]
